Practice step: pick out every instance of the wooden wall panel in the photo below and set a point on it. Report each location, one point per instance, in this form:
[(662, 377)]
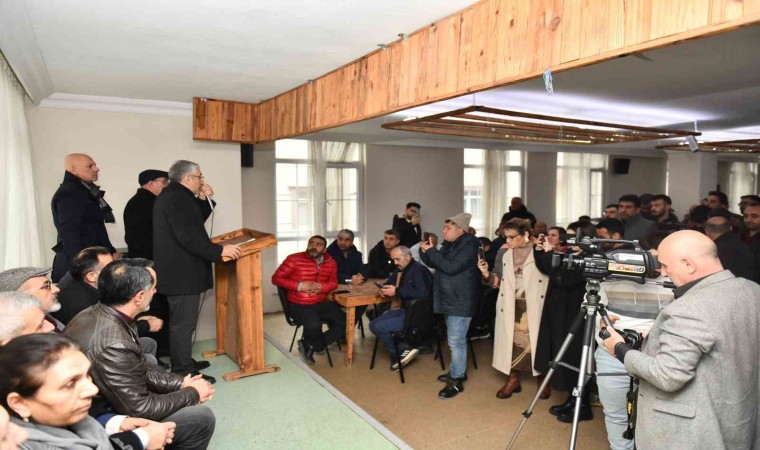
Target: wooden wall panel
[(492, 43)]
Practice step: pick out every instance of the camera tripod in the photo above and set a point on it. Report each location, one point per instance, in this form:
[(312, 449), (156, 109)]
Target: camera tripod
[(586, 316)]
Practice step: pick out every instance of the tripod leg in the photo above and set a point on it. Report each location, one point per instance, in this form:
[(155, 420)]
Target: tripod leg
[(574, 328), (584, 374)]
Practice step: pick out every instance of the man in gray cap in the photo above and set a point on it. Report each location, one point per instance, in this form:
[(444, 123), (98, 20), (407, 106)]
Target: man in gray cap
[(455, 292), (34, 281), (138, 214)]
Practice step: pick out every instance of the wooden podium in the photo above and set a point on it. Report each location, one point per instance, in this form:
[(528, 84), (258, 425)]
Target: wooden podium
[(239, 299)]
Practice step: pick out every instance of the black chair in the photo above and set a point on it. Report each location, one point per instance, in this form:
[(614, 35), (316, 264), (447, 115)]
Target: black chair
[(419, 322), (441, 332), (293, 323)]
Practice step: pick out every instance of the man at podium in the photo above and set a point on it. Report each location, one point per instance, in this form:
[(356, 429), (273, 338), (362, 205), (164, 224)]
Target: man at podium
[(183, 255), (308, 277)]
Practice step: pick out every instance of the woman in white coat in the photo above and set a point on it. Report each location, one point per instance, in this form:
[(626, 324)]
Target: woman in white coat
[(518, 307)]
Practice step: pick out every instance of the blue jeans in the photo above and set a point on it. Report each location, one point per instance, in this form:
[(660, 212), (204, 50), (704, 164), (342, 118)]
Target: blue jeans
[(457, 327), (612, 394), (383, 326)]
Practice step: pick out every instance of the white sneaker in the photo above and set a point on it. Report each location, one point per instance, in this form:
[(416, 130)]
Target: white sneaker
[(406, 357)]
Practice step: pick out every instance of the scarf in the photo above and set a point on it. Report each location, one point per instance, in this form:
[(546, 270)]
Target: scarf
[(87, 434), (97, 194)]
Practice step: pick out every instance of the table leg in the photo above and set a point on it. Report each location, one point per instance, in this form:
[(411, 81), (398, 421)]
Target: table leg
[(350, 327)]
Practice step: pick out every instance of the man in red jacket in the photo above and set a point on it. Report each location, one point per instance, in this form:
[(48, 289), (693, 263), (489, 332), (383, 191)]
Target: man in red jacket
[(307, 277)]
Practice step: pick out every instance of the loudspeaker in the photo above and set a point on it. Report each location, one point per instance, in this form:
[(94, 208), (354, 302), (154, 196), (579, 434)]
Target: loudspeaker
[(246, 155), (620, 166)]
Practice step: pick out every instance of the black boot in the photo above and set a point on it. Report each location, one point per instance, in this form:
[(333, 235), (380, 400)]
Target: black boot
[(453, 387), (306, 351), (557, 410), (585, 413)]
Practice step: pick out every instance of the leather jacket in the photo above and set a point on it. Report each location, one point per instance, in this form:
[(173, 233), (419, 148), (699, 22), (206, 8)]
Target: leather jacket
[(125, 379)]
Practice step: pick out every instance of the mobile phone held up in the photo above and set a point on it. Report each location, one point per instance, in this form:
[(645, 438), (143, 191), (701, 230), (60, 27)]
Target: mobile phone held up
[(481, 253), (379, 285)]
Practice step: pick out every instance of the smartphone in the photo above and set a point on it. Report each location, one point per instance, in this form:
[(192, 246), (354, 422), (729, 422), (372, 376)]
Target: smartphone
[(481, 253), (380, 285)]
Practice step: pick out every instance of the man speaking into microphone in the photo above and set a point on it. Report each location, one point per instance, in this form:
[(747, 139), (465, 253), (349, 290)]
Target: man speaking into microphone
[(183, 255)]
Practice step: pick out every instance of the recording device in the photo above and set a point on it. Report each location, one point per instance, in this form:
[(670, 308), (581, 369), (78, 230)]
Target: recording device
[(631, 337), (481, 253), (633, 264), (380, 285)]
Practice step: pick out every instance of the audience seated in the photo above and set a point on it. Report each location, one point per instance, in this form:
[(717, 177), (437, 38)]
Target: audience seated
[(410, 280), (636, 226), (79, 287), (346, 256), (45, 386), (408, 226), (734, 254), (128, 384), (34, 281), (379, 263), (21, 314), (307, 277), (518, 210)]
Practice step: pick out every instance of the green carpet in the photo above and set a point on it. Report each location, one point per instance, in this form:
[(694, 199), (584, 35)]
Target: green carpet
[(283, 410)]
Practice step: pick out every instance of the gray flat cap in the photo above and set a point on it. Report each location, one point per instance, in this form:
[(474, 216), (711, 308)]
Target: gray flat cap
[(12, 279)]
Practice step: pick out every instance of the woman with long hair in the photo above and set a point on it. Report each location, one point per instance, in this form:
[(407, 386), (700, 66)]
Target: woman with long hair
[(518, 307)]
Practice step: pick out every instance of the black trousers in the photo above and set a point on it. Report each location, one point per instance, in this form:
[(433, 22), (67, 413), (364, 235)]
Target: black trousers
[(195, 426), (182, 323), (311, 318)]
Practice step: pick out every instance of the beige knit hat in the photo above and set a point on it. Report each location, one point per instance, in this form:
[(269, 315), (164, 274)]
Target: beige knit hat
[(462, 220)]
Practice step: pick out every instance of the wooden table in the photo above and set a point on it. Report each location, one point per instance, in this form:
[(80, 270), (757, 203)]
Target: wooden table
[(361, 295)]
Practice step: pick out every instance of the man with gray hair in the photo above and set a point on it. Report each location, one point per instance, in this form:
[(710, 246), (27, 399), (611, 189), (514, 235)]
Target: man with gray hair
[(183, 255), (21, 314), (34, 281), (408, 281)]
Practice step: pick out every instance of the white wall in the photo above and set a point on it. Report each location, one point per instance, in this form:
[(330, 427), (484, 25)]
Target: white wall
[(432, 177), (124, 144), (540, 186), (645, 175), (691, 177)]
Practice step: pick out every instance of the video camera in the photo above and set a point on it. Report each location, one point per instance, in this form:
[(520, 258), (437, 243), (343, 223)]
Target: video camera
[(633, 264)]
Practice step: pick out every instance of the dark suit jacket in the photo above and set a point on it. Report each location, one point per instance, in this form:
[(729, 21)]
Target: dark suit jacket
[(736, 256), (182, 251), (416, 282), (349, 265), (637, 228), (138, 224), (409, 234), (79, 222), (379, 263)]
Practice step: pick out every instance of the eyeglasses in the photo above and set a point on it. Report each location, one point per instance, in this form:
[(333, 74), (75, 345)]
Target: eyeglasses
[(197, 176), (162, 181), (512, 237)]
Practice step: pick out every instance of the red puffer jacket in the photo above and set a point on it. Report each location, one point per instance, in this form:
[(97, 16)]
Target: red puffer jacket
[(300, 267)]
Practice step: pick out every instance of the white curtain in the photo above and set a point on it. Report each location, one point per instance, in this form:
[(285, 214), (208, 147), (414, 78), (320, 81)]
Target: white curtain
[(742, 182), (574, 185), (19, 237), (495, 169), (324, 187)]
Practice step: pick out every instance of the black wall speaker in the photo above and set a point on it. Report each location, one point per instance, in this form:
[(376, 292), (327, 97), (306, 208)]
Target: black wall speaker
[(246, 155), (620, 166)]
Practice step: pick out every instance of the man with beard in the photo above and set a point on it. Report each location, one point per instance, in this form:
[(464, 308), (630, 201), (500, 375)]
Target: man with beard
[(34, 281), (379, 263), (408, 226), (346, 256), (307, 277), (636, 226), (79, 213), (662, 213)]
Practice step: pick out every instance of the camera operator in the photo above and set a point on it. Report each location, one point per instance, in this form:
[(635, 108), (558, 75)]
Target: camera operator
[(698, 367)]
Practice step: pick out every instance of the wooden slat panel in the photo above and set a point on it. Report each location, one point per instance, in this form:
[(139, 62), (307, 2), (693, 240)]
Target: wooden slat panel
[(675, 16), (546, 16), (723, 10), (447, 55), (515, 50), (394, 78), (603, 27), (572, 13), (638, 21), (220, 120), (465, 49)]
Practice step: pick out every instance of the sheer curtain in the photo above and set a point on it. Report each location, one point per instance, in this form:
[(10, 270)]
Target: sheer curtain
[(495, 170), (19, 237), (742, 182), (324, 187), (574, 185)]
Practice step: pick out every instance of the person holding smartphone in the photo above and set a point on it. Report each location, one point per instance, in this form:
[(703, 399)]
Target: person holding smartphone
[(408, 225)]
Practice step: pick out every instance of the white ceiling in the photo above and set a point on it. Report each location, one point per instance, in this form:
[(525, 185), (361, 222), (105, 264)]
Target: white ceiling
[(227, 49), (171, 51)]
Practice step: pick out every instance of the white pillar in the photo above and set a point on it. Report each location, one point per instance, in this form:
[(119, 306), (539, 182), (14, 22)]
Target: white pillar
[(541, 185), (690, 177)]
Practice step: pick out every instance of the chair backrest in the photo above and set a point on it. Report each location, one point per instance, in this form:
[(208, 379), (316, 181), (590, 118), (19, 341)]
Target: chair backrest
[(285, 306), (419, 315)]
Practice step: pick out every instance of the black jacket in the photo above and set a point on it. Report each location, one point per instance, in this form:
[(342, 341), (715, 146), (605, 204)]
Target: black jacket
[(79, 221), (754, 246), (379, 263), (349, 265), (520, 213), (416, 282), (182, 251), (736, 256), (408, 233), (125, 379), (457, 277), (138, 224)]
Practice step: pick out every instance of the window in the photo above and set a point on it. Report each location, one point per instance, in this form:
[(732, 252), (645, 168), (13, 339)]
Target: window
[(580, 186), (491, 178), (300, 175), (742, 181)]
